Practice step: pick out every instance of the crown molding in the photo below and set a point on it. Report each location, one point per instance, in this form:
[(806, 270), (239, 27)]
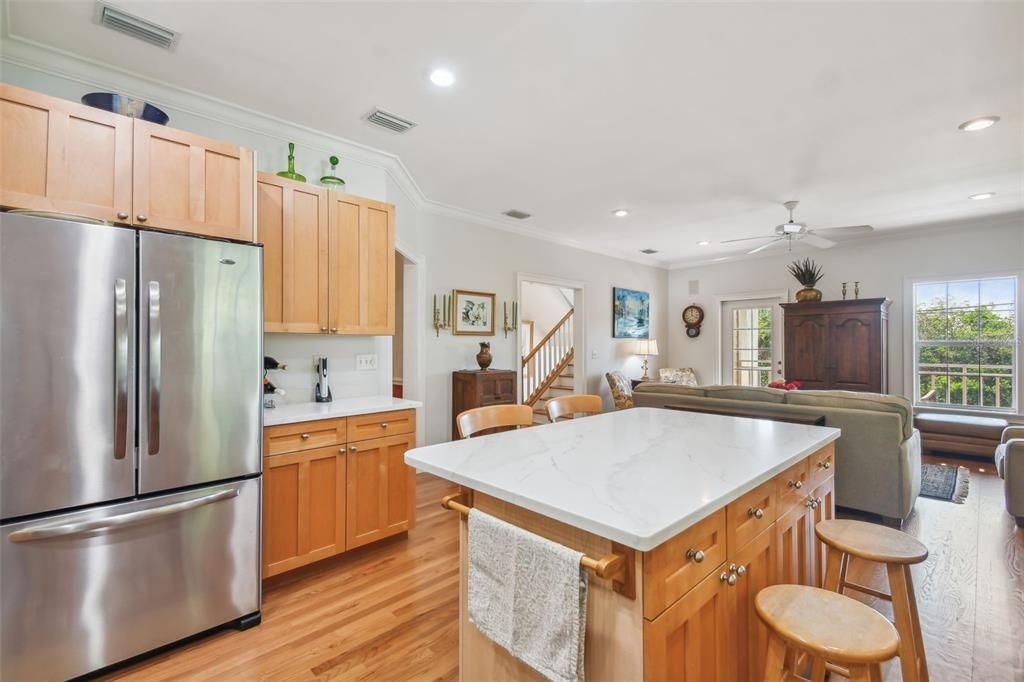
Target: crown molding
[(900, 233), (32, 55)]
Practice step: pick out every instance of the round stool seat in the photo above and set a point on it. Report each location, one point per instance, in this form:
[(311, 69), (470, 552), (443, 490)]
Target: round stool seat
[(827, 624), (871, 541)]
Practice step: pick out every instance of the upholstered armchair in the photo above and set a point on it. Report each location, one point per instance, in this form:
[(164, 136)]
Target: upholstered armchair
[(622, 391), (1010, 465)]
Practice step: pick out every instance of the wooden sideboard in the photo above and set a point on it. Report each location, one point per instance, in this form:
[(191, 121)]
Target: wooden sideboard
[(838, 344), (479, 387), (332, 485)]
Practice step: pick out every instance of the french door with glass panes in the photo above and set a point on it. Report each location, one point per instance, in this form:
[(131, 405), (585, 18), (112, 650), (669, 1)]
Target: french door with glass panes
[(751, 341)]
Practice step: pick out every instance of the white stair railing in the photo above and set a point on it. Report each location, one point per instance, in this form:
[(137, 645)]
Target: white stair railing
[(546, 360)]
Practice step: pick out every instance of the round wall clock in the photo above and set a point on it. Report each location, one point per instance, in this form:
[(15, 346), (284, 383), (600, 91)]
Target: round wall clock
[(693, 317)]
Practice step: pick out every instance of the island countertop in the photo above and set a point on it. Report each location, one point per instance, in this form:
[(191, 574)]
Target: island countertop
[(637, 477), (291, 413)]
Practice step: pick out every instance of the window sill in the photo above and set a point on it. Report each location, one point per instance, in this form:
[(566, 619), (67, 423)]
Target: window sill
[(969, 411)]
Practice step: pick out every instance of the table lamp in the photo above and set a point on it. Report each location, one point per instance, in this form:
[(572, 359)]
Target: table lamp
[(646, 348)]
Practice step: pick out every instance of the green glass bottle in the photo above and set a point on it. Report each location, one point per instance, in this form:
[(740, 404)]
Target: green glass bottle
[(332, 181), (290, 173)]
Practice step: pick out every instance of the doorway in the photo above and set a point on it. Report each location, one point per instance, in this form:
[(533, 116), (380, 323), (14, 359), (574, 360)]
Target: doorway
[(751, 340), (551, 335)]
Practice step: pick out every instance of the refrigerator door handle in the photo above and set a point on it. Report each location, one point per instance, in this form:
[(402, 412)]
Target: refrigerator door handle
[(154, 368), (43, 532), (120, 368)]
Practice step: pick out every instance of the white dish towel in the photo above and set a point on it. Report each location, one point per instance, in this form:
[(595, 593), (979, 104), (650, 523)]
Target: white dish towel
[(529, 595)]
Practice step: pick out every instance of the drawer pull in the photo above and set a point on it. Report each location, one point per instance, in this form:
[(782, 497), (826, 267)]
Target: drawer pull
[(695, 555), (323, 329), (342, 450), (352, 448), (334, 330), (383, 425), (728, 578), (796, 484), (825, 464), (740, 570), (756, 513), (305, 436), (122, 215), (141, 218), (811, 503)]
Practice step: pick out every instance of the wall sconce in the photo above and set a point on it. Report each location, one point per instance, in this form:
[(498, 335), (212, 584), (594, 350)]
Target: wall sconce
[(442, 316)]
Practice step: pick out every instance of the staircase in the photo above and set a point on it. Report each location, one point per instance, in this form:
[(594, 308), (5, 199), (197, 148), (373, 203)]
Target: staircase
[(547, 370)]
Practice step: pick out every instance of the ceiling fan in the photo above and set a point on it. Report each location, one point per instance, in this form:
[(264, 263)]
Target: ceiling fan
[(791, 230)]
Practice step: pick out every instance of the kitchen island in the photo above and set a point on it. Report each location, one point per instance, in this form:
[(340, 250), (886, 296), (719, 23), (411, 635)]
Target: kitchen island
[(686, 515)]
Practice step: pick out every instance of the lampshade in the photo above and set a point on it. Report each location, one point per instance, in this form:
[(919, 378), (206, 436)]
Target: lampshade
[(646, 347)]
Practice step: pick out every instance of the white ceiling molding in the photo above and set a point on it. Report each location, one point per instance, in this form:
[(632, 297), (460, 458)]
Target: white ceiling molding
[(32, 55)]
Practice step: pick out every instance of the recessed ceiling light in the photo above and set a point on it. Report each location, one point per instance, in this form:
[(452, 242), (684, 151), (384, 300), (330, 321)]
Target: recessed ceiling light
[(703, 242), (976, 124), (442, 77), (620, 213), (982, 195), (648, 251)]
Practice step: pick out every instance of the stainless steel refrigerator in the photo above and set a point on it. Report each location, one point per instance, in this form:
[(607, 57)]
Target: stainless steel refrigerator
[(130, 437)]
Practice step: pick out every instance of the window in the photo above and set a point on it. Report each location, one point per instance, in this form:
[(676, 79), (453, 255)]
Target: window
[(752, 347), (965, 343)]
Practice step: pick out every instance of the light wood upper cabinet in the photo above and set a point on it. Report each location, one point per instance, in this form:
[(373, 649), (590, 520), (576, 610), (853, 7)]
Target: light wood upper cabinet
[(303, 508), (292, 225), (192, 184), (361, 265), (57, 155), (381, 489)]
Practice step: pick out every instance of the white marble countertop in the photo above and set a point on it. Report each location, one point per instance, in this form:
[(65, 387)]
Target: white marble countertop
[(290, 413), (637, 477)]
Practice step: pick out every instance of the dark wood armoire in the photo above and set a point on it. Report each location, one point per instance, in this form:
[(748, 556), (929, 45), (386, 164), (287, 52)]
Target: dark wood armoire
[(838, 344), (478, 387)]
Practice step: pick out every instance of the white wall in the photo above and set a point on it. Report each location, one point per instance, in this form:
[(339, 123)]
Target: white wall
[(881, 266), (449, 252), (545, 305)]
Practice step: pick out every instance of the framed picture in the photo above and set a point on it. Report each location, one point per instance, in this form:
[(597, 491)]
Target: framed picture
[(472, 313), (631, 314)]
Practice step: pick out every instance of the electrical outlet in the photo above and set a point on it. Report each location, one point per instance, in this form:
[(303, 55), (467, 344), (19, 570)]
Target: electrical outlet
[(366, 362)]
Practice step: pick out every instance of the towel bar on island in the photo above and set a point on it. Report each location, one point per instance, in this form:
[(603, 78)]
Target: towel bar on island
[(612, 566)]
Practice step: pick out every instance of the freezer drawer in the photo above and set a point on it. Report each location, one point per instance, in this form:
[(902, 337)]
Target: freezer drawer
[(85, 590)]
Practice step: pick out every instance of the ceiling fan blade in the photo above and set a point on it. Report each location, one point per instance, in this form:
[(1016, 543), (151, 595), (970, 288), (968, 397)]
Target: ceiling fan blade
[(848, 231), (746, 239), (765, 246), (816, 240)]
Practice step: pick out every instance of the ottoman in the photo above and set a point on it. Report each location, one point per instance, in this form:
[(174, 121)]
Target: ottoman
[(959, 434)]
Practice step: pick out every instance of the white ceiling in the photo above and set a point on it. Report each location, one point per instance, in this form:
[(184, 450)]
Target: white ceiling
[(699, 118)]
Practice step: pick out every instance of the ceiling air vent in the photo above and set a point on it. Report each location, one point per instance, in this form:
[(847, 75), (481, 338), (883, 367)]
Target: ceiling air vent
[(137, 27), (648, 251), (384, 119), (516, 213)]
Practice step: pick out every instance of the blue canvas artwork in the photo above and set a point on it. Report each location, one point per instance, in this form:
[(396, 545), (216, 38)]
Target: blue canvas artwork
[(631, 314)]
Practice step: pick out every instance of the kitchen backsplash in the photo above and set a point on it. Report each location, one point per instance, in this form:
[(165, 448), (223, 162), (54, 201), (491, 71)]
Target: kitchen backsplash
[(297, 351)]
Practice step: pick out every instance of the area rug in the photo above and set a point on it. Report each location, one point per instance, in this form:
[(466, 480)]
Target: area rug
[(945, 482)]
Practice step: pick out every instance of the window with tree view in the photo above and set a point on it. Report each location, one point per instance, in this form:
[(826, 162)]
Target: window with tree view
[(965, 343)]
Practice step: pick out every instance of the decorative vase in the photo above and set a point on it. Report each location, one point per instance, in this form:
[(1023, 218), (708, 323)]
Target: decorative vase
[(807, 295), (483, 358), (290, 173)]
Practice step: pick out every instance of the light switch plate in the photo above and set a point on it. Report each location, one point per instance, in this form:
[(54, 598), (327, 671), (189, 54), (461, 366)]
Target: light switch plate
[(593, 355), (366, 362)]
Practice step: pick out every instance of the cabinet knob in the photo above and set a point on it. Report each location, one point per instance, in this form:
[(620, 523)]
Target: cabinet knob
[(342, 450), (756, 513), (305, 436), (695, 555), (352, 448), (141, 218), (739, 570), (323, 329), (811, 503), (334, 330), (383, 425), (825, 464), (796, 484), (121, 215), (820, 501), (728, 578)]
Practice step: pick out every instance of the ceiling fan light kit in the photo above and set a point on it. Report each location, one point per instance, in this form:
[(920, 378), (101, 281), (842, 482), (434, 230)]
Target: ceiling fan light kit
[(791, 231)]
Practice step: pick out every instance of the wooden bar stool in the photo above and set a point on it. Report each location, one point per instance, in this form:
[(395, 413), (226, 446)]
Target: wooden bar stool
[(898, 551), (827, 627)]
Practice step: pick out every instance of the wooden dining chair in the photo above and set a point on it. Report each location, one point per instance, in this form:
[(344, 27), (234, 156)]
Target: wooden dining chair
[(567, 406), (492, 417)]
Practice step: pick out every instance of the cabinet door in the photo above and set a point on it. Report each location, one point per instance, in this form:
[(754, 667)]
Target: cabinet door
[(189, 183), (855, 351), (61, 156), (689, 642), (303, 508), (806, 336), (792, 546), (824, 509), (381, 489), (361, 260), (292, 226), (749, 634)]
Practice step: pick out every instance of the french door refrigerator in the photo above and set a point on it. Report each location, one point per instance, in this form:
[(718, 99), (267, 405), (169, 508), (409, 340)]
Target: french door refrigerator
[(130, 437)]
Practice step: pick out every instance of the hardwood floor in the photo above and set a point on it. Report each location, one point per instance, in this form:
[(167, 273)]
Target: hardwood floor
[(389, 611)]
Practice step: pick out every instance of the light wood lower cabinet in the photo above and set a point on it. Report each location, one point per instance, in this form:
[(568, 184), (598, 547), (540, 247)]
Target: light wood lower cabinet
[(381, 489), (747, 634), (303, 508), (823, 510), (323, 495)]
